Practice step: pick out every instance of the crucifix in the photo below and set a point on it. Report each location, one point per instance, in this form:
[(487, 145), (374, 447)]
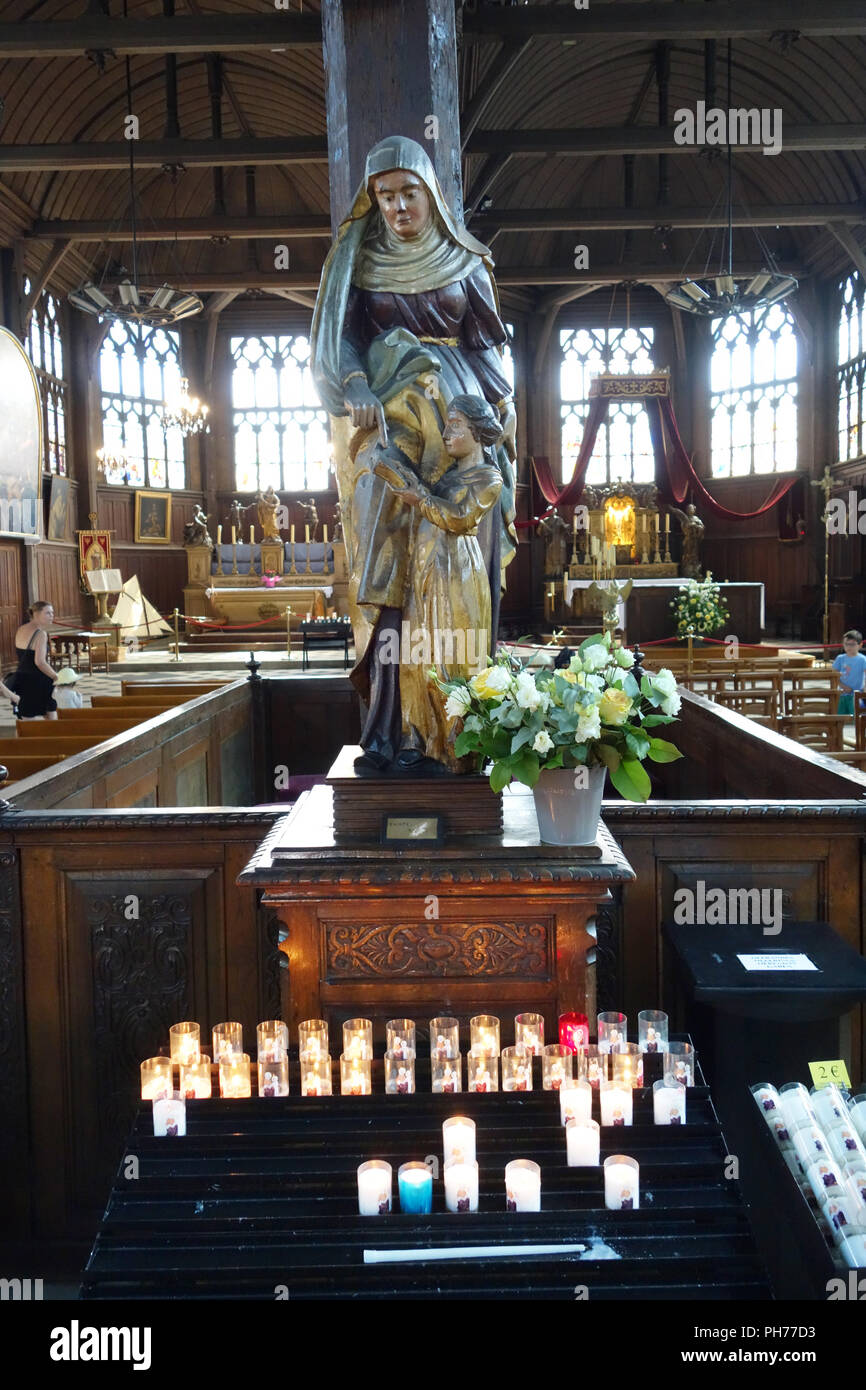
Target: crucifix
[(825, 483)]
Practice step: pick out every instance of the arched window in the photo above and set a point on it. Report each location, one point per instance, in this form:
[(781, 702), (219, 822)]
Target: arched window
[(280, 428), (45, 349), (139, 369), (852, 368), (623, 448), (753, 393)]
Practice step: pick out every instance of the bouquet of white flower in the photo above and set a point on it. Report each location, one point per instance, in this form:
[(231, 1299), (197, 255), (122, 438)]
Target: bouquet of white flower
[(699, 605), (592, 714)]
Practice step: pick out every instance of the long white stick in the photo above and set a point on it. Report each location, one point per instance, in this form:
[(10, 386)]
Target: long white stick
[(467, 1252)]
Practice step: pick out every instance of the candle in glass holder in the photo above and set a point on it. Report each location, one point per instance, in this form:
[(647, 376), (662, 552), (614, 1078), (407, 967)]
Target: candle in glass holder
[(652, 1030), (612, 1031), (272, 1040), (169, 1117), (355, 1076), (375, 1179), (767, 1097), (522, 1185), (228, 1039), (529, 1030), (415, 1185), (516, 1068), (399, 1075), (621, 1183), (156, 1078), (829, 1105), (358, 1039), (575, 1101), (458, 1140), (461, 1186), (274, 1076), (556, 1066), (482, 1071), (574, 1031), (794, 1099), (316, 1075), (447, 1075), (484, 1033), (857, 1114), (195, 1080), (400, 1037), (669, 1102), (313, 1039), (679, 1062), (593, 1066), (626, 1065), (185, 1043), (444, 1038), (235, 1081), (583, 1143), (616, 1104)]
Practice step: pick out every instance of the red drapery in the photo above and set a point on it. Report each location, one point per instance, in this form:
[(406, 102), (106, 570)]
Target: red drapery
[(674, 472)]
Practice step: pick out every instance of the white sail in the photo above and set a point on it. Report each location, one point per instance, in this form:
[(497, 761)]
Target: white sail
[(135, 615)]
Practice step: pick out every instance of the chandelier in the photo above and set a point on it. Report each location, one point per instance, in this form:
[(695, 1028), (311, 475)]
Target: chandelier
[(719, 293), (187, 413)]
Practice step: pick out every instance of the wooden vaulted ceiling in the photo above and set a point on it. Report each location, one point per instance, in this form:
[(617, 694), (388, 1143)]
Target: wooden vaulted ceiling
[(582, 84)]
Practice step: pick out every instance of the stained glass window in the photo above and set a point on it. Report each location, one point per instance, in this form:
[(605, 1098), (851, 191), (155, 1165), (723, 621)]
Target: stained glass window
[(45, 348), (139, 370), (280, 428), (753, 385), (623, 448), (852, 368)]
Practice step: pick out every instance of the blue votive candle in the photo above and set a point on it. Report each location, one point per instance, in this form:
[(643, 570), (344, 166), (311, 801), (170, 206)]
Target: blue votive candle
[(415, 1182)]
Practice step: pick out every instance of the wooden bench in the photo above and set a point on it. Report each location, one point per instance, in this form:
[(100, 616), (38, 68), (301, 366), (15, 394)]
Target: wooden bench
[(72, 728), (759, 705), (814, 701), (136, 701), (18, 768), (816, 731), (189, 689), (52, 747)]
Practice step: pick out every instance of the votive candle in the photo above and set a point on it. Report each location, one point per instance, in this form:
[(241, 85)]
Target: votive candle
[(574, 1030), (652, 1030), (375, 1179), (516, 1068), (156, 1078), (458, 1139), (274, 1076), (522, 1185), (621, 1183), (444, 1038), (593, 1065), (461, 1187), (575, 1101), (679, 1062), (312, 1039), (185, 1043), (228, 1039), (195, 1080), (616, 1104), (556, 1066), (612, 1031), (583, 1143), (415, 1185), (669, 1102), (355, 1076), (793, 1098), (626, 1065), (400, 1037), (484, 1033), (169, 1117), (358, 1039), (529, 1030), (399, 1075), (316, 1075), (482, 1071), (272, 1040), (235, 1081)]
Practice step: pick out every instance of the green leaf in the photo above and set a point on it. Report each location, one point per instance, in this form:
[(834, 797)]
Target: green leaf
[(526, 769), (661, 751), (652, 720), (522, 736), (637, 742), (631, 780), (608, 755), (466, 742), (500, 776), (554, 759)]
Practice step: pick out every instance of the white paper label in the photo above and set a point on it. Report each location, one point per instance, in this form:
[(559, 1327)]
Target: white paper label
[(780, 962)]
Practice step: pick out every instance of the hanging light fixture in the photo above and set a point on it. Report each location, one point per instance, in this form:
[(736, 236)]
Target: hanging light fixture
[(128, 300), (723, 292), (187, 413)]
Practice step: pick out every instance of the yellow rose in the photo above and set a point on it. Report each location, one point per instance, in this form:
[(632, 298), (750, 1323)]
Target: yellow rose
[(491, 683), (614, 706), (570, 676)]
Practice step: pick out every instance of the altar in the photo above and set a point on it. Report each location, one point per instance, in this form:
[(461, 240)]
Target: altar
[(646, 613)]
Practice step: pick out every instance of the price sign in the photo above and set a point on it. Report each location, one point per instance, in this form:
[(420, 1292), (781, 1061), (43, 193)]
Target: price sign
[(825, 1072)]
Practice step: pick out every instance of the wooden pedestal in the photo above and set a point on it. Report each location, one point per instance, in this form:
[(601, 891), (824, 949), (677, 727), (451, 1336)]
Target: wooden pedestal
[(484, 924)]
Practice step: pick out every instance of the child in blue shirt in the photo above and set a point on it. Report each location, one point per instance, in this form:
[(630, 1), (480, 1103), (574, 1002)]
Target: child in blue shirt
[(852, 665)]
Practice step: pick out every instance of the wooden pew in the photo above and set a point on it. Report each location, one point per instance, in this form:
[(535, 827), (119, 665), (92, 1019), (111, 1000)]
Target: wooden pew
[(135, 701), (51, 747), (18, 767), (823, 731), (759, 705), (188, 688), (815, 701), (72, 728)]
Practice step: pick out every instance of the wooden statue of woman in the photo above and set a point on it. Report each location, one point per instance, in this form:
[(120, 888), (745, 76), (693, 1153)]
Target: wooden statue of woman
[(406, 318)]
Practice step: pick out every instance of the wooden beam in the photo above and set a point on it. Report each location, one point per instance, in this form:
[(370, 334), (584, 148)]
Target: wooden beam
[(292, 224), (621, 140), (39, 279), (296, 297), (650, 21), (502, 65), (213, 33), (846, 238)]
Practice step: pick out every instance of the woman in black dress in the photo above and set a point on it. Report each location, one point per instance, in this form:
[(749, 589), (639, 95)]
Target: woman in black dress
[(35, 677)]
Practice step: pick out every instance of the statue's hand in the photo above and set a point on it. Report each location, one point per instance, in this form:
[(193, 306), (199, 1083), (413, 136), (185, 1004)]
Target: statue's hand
[(364, 409)]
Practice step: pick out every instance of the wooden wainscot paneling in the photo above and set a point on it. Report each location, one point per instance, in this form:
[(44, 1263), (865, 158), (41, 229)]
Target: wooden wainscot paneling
[(14, 1108), (11, 598), (57, 580)]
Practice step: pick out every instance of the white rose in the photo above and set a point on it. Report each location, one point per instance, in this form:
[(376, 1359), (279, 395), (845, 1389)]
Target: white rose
[(624, 658), (458, 703), (526, 693), (542, 743), (664, 682), (671, 704), (588, 725), (595, 658)]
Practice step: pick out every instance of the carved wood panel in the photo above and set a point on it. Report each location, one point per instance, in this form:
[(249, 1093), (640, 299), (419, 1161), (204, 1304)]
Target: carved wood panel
[(392, 950)]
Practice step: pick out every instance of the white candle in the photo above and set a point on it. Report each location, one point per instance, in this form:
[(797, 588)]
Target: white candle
[(796, 1105), (195, 1082), (234, 535), (325, 534), (522, 1185), (219, 535), (583, 1143), (252, 535), (461, 1186), (185, 1043), (156, 1078), (616, 1104), (169, 1117), (669, 1103), (307, 534), (575, 1101), (374, 1188), (458, 1140), (292, 534), (667, 523), (235, 1083), (621, 1183)]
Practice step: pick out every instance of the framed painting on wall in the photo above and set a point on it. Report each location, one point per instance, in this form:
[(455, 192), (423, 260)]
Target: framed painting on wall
[(20, 441), (58, 509), (152, 517)]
